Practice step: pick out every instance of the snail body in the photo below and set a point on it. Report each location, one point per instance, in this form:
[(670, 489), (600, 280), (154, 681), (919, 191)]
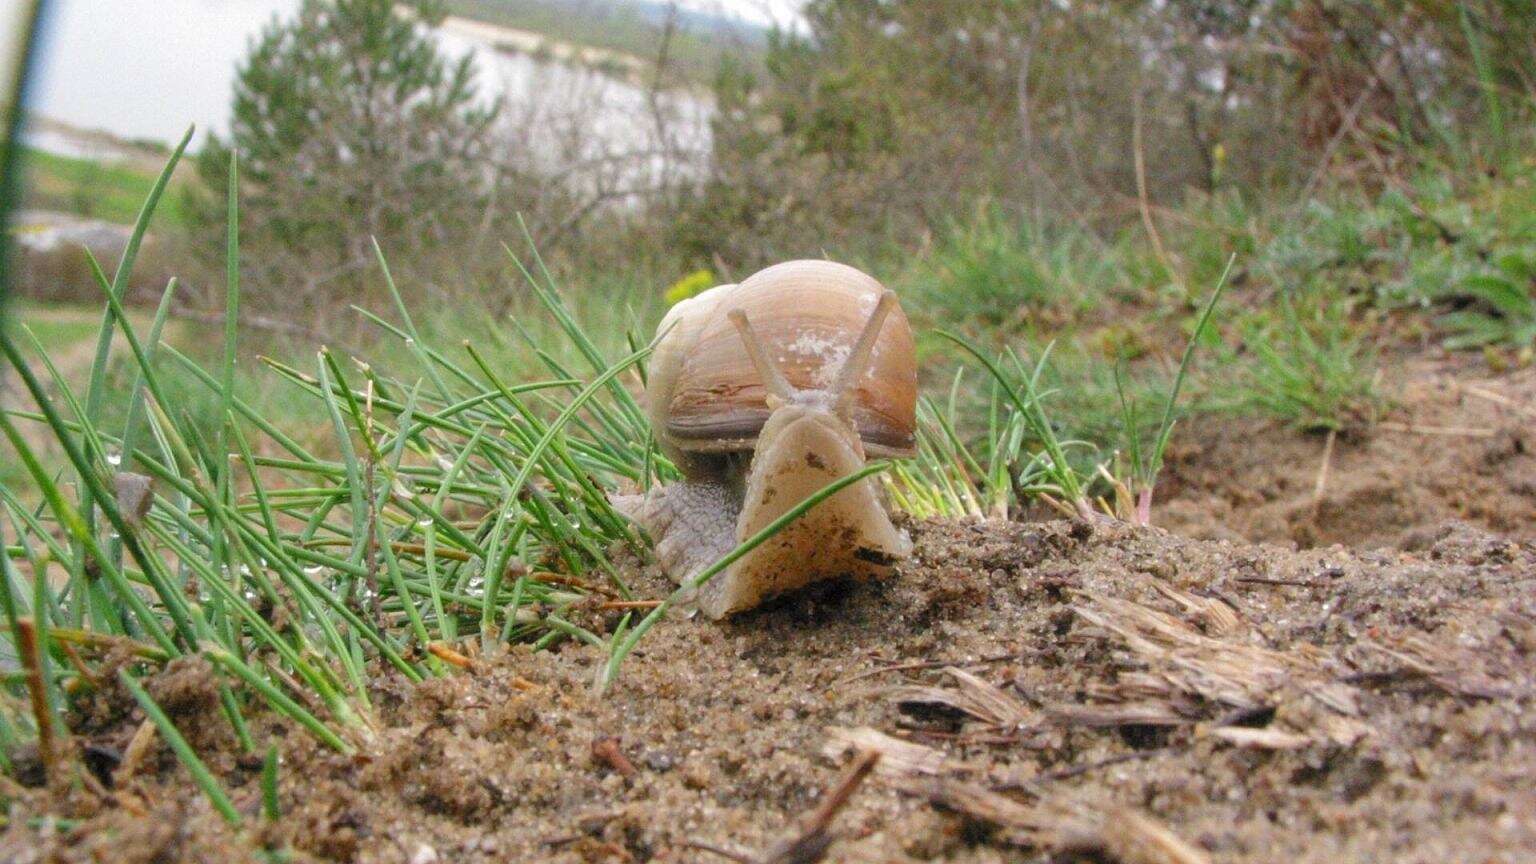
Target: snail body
[(762, 394)]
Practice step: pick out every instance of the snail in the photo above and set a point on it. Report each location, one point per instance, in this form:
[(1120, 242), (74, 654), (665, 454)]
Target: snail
[(762, 394)]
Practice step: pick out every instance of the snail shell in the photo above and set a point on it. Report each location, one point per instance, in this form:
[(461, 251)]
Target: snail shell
[(808, 314), (754, 436)]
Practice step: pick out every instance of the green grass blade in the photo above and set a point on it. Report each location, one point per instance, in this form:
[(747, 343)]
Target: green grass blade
[(178, 744), (270, 809), (97, 381), (1165, 428)]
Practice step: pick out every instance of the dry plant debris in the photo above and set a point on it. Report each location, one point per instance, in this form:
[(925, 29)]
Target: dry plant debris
[(1172, 673)]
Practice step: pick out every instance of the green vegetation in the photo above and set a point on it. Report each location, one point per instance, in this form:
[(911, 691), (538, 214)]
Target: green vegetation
[(57, 330), (1506, 310), (1311, 368), (1000, 273), (92, 188)]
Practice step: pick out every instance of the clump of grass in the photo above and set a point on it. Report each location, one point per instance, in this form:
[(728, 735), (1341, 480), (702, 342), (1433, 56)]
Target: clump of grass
[(1146, 459), (1047, 472), (1454, 250), (297, 575), (452, 505), (1026, 445), (999, 272), (1497, 304), (1310, 367), (955, 475)]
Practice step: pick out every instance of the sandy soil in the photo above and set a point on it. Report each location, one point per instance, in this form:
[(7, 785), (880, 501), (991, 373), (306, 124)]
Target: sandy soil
[(1455, 445), (1052, 691)]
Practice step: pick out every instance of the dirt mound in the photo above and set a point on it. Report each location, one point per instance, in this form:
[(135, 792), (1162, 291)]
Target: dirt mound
[(1453, 447), (1120, 694)]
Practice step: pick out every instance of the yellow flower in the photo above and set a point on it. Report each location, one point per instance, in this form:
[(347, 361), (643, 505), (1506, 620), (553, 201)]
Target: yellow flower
[(688, 286)]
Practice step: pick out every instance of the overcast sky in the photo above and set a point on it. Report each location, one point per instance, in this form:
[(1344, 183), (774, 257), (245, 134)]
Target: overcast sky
[(760, 11)]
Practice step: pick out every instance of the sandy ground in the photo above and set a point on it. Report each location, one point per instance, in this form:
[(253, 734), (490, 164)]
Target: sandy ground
[(1052, 691), (1456, 444)]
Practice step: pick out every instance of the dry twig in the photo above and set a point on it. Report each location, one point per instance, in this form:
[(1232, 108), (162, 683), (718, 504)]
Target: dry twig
[(606, 750), (811, 844)]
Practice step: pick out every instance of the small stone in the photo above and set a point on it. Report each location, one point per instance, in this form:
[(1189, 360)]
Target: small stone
[(658, 760)]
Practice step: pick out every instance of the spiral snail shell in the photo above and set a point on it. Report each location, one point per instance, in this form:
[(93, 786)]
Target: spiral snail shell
[(762, 394)]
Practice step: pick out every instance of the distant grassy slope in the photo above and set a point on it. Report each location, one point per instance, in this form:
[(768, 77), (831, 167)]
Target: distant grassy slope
[(88, 187), (633, 28)]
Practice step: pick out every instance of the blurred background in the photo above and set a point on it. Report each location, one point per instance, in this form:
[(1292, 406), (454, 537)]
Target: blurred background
[(1027, 172)]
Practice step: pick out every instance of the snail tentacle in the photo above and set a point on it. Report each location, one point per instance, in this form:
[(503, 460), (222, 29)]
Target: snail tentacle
[(861, 356), (773, 379)]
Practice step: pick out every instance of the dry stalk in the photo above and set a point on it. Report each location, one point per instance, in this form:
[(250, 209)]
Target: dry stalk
[(143, 738), (1501, 399), (1322, 469), (898, 758), (1449, 431), (31, 663), (1123, 834), (814, 838), (811, 844), (1142, 200), (450, 656), (920, 664)]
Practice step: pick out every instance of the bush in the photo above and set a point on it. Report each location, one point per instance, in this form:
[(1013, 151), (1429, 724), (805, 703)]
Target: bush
[(348, 126), (888, 119)]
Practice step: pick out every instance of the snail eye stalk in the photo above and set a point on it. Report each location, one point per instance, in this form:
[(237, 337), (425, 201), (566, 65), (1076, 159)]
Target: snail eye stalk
[(779, 389), (859, 359)]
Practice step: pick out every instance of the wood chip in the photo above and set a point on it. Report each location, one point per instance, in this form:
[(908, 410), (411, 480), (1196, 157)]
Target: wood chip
[(976, 802), (1260, 739), (1118, 834), (1118, 714), (973, 697), (898, 758), (1177, 673)]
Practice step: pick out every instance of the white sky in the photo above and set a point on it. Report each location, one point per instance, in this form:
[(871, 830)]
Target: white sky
[(760, 11)]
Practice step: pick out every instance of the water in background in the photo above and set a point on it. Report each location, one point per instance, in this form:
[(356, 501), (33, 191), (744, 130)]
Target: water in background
[(145, 69)]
